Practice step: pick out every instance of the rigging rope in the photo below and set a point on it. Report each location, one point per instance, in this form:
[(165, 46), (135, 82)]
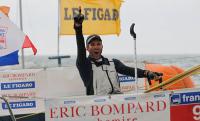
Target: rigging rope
[(33, 114)]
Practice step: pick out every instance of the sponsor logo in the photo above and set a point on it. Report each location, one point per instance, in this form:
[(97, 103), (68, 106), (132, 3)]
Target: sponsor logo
[(186, 98), (126, 79), (69, 101), (94, 14), (159, 95), (129, 98), (191, 97), (100, 100), (17, 105), (3, 32), (175, 99), (17, 85)]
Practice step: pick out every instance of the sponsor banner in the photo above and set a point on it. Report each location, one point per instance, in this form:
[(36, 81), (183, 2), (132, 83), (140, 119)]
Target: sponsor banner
[(22, 106), (127, 83), (185, 105), (20, 87), (98, 14), (145, 107), (17, 85)]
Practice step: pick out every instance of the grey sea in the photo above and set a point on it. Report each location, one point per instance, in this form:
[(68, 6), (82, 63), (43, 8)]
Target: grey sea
[(183, 61)]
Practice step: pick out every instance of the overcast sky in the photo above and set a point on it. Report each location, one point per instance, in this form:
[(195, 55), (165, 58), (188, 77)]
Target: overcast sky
[(162, 27)]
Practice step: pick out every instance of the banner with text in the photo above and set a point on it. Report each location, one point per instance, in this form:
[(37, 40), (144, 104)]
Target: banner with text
[(145, 107), (20, 87), (185, 105), (101, 16), (127, 83)]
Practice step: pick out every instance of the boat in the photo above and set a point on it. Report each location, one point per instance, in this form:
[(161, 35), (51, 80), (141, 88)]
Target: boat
[(34, 96)]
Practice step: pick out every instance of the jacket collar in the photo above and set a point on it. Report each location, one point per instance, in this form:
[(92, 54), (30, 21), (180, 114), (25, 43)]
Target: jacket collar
[(104, 61)]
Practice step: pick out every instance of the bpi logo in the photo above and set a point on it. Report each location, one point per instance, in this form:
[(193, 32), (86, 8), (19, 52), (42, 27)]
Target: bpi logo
[(3, 32), (176, 99)]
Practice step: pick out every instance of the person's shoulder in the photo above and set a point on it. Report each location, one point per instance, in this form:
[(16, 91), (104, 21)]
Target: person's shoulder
[(115, 60)]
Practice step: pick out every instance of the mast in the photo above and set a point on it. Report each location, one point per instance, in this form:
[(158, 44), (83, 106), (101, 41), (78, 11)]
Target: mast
[(21, 27)]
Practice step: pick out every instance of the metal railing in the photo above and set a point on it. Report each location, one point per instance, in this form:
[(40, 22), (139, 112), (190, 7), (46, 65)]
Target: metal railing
[(9, 108)]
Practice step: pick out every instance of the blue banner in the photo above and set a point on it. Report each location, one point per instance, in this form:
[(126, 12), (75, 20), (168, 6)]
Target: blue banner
[(17, 85), (17, 105), (185, 98)]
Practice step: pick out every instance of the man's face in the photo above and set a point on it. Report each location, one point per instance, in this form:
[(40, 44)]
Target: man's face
[(95, 49)]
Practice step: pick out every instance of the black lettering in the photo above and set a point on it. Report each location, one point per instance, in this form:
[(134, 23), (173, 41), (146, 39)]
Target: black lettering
[(94, 14), (107, 15), (100, 13), (87, 10), (75, 11), (115, 14), (66, 14)]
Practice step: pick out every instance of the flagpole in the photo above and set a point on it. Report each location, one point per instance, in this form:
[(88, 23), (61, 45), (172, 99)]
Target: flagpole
[(58, 34), (58, 38), (21, 27)]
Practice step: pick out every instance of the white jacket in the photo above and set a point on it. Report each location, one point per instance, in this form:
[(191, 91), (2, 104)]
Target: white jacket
[(105, 79)]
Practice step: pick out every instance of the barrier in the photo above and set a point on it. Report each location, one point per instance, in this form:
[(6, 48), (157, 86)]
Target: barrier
[(21, 88), (28, 90), (127, 107)]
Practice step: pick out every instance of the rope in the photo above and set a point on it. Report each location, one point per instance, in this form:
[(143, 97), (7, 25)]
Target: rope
[(22, 117)]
